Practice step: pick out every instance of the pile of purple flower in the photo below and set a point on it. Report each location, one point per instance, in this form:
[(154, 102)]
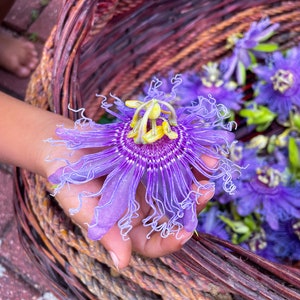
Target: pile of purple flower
[(263, 215)]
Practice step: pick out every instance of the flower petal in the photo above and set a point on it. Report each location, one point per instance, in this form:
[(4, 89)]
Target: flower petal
[(117, 195)]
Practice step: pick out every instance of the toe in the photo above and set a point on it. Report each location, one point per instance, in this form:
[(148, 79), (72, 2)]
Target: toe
[(23, 72)]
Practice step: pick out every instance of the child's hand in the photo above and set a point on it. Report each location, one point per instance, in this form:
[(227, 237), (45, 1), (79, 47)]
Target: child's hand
[(115, 244), (24, 129)]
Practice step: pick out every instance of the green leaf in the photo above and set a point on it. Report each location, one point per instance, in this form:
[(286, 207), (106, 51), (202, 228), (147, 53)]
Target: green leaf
[(266, 47), (241, 73), (294, 156), (258, 115), (250, 222), (253, 58), (296, 120), (236, 226)]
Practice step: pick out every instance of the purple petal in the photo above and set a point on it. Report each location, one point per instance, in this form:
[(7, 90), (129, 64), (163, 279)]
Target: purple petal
[(116, 198)]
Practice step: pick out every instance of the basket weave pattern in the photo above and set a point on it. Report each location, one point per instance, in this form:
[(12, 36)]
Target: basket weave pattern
[(115, 47)]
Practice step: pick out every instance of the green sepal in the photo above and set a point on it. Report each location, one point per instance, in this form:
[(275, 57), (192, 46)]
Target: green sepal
[(258, 115), (241, 73), (105, 119), (294, 156), (296, 120), (253, 59), (235, 226), (266, 47)]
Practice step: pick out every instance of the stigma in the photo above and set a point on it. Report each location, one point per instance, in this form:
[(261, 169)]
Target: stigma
[(152, 121), (282, 80)]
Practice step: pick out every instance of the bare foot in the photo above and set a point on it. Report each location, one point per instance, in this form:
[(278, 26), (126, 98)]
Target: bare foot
[(17, 56)]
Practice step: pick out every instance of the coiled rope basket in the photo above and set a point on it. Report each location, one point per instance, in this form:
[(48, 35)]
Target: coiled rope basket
[(117, 46)]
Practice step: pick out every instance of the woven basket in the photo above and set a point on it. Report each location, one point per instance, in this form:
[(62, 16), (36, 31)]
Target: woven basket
[(117, 46)]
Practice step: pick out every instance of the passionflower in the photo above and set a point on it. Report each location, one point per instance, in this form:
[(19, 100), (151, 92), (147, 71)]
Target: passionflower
[(153, 144), (281, 244), (225, 91), (209, 81), (210, 222), (246, 47), (278, 83), (266, 189)]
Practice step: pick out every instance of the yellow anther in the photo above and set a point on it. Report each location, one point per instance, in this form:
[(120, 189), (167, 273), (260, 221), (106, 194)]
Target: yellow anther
[(132, 134), (172, 135), (232, 40), (133, 103), (151, 136)]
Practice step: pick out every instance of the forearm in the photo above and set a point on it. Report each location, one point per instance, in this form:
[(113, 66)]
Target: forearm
[(23, 131)]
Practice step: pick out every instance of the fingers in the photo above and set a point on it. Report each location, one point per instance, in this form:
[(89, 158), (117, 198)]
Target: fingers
[(119, 249), (210, 161), (156, 246)]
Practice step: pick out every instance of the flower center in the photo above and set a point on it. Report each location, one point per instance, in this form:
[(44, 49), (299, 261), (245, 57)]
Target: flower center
[(282, 80), (269, 176), (212, 75), (151, 122), (233, 39), (258, 241)]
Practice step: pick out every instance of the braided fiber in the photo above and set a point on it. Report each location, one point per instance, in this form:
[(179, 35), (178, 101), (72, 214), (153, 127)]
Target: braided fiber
[(115, 47)]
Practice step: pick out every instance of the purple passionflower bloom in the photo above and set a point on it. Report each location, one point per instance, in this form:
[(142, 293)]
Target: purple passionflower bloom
[(209, 222), (279, 83), (208, 82), (155, 145), (281, 245), (247, 46), (266, 189), (211, 81)]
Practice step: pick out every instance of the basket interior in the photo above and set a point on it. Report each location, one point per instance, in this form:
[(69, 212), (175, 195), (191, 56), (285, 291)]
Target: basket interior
[(116, 47)]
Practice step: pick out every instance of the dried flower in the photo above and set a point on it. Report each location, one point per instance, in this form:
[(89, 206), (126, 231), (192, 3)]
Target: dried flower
[(157, 145)]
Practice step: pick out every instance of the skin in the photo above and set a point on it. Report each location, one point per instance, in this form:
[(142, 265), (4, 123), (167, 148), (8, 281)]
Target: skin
[(23, 131), (17, 55)]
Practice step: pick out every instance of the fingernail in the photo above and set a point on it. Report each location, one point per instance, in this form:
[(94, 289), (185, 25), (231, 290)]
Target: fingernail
[(185, 238), (115, 259)]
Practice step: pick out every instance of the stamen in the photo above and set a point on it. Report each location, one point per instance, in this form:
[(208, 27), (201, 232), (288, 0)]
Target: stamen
[(282, 80), (258, 241), (232, 40), (153, 111), (212, 75), (296, 229), (269, 176)]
